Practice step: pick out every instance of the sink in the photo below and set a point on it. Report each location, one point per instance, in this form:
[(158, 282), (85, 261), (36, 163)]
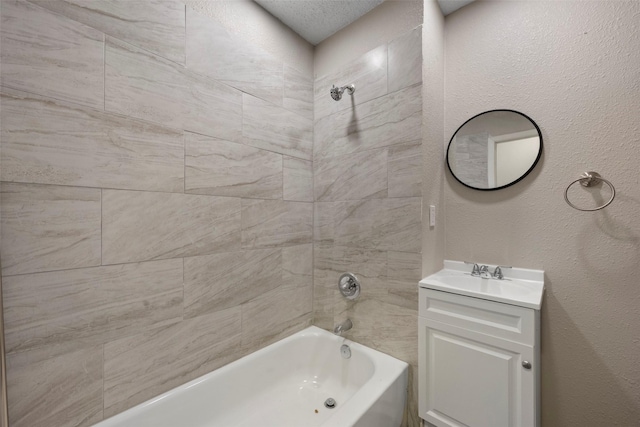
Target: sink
[(520, 286)]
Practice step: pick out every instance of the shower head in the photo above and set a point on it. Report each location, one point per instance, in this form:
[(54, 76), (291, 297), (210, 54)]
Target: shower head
[(336, 92)]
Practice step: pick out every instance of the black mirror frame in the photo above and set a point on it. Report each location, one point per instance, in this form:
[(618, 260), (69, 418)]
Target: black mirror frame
[(511, 183)]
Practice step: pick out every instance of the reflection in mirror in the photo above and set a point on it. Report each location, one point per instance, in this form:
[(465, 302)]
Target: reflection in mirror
[(494, 149)]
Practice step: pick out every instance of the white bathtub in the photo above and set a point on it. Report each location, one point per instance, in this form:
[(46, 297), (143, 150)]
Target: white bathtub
[(285, 385)]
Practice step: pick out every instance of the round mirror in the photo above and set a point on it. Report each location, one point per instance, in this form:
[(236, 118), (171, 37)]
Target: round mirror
[(494, 149)]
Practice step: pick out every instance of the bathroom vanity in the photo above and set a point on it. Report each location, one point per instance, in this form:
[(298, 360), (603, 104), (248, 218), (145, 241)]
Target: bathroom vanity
[(479, 347)]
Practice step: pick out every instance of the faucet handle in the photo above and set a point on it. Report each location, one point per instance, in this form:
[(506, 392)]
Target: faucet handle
[(497, 273), (475, 271)]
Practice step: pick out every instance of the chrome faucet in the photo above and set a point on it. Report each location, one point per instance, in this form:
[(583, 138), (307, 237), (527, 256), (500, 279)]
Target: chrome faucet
[(497, 273), (484, 272), (343, 327), (476, 270)]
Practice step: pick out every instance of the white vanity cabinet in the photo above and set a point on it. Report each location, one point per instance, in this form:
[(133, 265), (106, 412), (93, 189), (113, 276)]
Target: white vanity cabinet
[(479, 361)]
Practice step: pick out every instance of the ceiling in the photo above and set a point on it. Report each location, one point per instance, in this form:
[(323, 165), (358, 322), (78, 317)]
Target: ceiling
[(315, 20)]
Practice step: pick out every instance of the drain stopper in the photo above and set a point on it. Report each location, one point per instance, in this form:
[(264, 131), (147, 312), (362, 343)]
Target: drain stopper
[(330, 403)]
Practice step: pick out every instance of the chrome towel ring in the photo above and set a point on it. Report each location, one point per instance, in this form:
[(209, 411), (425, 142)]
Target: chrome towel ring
[(589, 179)]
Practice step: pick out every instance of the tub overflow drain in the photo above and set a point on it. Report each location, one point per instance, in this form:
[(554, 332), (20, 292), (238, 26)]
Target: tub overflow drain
[(330, 403)]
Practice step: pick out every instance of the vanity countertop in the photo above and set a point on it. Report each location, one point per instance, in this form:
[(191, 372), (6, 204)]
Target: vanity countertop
[(520, 286)]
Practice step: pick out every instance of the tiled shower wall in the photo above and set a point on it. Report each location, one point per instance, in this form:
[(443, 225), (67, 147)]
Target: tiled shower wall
[(156, 203), (367, 163)]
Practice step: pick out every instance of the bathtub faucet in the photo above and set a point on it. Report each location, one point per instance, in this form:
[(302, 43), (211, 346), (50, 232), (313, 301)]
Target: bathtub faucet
[(343, 327)]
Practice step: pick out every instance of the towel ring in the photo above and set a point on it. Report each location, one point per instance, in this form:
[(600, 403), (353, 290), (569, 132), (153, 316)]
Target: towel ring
[(589, 179)]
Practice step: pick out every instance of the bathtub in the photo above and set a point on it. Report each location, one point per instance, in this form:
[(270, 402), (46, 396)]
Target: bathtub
[(285, 385)]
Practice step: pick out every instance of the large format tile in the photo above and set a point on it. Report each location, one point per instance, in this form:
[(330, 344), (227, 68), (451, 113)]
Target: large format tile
[(213, 52), (222, 168), (385, 224), (47, 227), (52, 142), (212, 108), (297, 179), (157, 26), (143, 366), (67, 310), (275, 315), (369, 75), (220, 281), (48, 54), (140, 226), (270, 127), (351, 177), (405, 170), (297, 265), (268, 223), (64, 391), (330, 262), (298, 92), (405, 60), (404, 271), (389, 120), (142, 85), (369, 265)]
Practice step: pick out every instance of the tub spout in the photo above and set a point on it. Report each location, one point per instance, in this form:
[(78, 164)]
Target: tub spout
[(343, 327)]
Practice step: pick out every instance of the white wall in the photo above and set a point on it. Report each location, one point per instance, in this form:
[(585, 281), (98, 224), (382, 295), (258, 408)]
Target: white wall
[(574, 67)]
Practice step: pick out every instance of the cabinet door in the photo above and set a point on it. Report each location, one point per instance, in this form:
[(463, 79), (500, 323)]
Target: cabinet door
[(475, 380)]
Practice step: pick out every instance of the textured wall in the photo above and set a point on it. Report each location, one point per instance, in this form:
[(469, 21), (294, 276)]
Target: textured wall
[(386, 22), (574, 68), (367, 186), (156, 202)]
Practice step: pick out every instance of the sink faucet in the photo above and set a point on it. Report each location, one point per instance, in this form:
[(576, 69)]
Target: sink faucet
[(484, 272), (497, 273), (475, 271), (343, 327)]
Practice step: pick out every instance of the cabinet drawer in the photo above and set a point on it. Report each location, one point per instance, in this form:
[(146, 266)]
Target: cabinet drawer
[(487, 317)]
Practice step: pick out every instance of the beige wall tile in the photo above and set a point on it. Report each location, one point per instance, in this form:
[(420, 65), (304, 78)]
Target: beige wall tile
[(297, 179), (297, 265), (64, 391), (325, 285), (67, 310), (142, 85), (139, 226), (222, 168), (51, 142), (48, 54), (404, 271), (275, 315), (369, 75), (405, 170), (157, 26), (351, 176), (268, 126), (146, 365), (385, 224), (220, 281), (213, 52), (389, 120), (405, 60), (323, 221), (49, 228), (298, 92), (212, 108), (267, 223)]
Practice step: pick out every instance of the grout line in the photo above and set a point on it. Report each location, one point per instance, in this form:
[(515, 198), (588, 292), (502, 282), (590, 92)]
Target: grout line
[(101, 225)]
